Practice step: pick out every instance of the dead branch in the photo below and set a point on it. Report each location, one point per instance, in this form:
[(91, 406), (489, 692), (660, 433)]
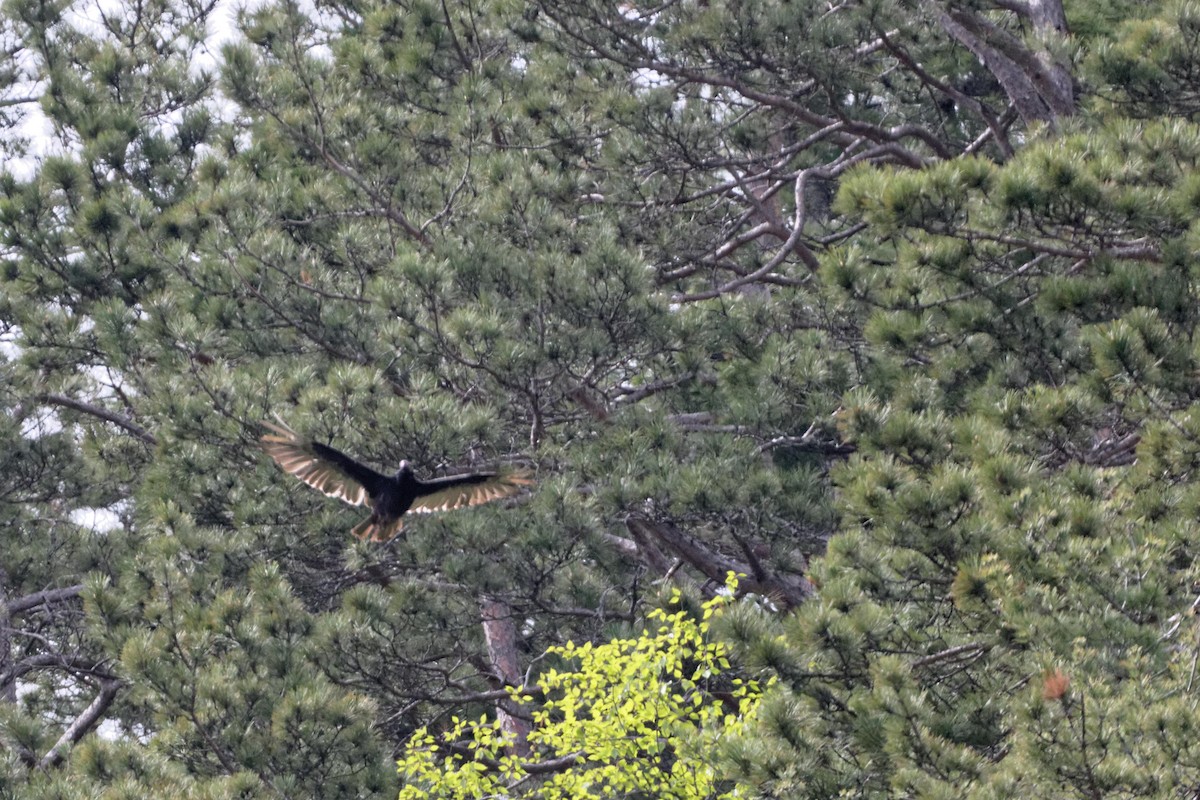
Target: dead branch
[(82, 724), (19, 605), (119, 420), (792, 590)]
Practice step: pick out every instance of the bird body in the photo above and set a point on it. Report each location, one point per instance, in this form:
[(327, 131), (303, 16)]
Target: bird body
[(331, 471)]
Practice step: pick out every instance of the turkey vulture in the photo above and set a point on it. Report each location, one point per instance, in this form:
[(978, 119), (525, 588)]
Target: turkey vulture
[(389, 498)]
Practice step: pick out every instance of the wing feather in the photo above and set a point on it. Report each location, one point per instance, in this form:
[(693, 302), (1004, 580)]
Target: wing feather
[(322, 467), (457, 491)]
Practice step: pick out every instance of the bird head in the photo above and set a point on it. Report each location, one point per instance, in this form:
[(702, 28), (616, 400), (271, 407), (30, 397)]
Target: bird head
[(404, 469)]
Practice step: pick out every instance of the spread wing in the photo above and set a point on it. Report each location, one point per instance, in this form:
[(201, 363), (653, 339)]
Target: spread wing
[(322, 467), (456, 491)]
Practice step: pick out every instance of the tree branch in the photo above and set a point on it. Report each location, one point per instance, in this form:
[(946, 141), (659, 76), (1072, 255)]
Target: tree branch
[(970, 649), (20, 605), (791, 590), (83, 723), (8, 689), (484, 697), (74, 664), (119, 420), (649, 551), (992, 122), (546, 767), (1039, 87)]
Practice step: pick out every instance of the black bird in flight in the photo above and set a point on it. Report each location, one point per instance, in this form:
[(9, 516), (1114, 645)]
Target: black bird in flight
[(389, 497)]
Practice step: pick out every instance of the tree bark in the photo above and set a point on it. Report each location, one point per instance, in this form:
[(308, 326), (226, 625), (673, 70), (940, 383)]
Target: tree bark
[(500, 635), (24, 603), (790, 590), (1039, 86), (82, 724), (8, 689)]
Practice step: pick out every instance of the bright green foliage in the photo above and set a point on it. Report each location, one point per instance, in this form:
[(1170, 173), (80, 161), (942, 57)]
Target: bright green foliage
[(631, 717)]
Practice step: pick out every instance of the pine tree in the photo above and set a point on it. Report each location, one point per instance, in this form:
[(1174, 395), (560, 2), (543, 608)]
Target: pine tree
[(1001, 613), (127, 124), (729, 277), (384, 244)]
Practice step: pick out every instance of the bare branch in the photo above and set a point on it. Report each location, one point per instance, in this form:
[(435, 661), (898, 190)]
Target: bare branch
[(702, 422), (119, 420), (792, 590), (626, 546), (970, 649), (82, 724), (20, 605), (792, 245), (546, 767), (634, 395), (494, 694), (74, 664), (994, 126), (19, 101)]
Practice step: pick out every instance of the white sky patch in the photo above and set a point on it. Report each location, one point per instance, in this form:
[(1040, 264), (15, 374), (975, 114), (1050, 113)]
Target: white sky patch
[(109, 730), (9, 349), (44, 423), (222, 29), (32, 125), (646, 78), (98, 520)]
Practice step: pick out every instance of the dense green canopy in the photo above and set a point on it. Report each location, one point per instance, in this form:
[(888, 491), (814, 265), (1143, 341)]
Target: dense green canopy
[(890, 308)]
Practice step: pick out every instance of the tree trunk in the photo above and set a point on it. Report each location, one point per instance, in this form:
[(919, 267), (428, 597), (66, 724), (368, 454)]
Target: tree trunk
[(8, 690), (1039, 85), (500, 634)]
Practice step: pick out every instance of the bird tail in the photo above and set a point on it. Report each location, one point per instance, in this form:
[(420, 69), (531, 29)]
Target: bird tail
[(372, 530)]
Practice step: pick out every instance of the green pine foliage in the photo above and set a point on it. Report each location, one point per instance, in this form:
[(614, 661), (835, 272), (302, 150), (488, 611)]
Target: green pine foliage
[(1007, 609), (743, 283)]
